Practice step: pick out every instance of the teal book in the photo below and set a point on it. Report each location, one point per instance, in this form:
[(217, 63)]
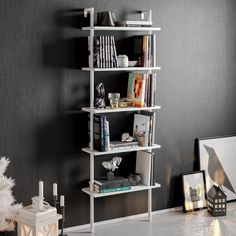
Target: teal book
[(109, 190)]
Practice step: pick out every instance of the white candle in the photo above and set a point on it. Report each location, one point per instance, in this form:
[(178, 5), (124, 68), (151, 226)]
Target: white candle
[(62, 201), (54, 189), (40, 188)]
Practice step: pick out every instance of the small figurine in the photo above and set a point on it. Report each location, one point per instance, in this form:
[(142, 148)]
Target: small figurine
[(100, 96), (111, 165)]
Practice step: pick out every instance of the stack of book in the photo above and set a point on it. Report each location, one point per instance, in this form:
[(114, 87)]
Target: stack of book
[(105, 55), (141, 89), (101, 134), (119, 144), (140, 49), (117, 184), (143, 128)]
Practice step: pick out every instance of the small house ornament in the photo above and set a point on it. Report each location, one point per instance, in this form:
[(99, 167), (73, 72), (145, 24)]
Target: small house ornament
[(37, 223), (217, 201)]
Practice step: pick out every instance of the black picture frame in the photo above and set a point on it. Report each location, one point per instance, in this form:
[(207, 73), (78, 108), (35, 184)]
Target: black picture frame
[(194, 191)]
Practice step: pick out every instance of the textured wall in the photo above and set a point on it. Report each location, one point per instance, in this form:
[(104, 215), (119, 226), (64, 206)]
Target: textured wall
[(39, 82)]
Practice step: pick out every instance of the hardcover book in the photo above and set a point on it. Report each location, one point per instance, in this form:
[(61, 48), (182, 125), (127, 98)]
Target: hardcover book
[(105, 182), (116, 189), (143, 166), (136, 88)]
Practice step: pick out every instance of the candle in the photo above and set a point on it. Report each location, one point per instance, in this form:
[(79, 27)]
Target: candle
[(40, 188), (62, 201), (54, 189)]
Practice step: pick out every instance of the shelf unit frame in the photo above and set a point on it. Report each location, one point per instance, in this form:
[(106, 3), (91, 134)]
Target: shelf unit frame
[(92, 153)]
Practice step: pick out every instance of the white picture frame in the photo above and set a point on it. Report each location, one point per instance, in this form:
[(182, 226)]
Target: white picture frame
[(217, 158)]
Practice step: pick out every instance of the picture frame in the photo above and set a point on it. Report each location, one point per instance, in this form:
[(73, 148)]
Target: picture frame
[(194, 191), (217, 157)]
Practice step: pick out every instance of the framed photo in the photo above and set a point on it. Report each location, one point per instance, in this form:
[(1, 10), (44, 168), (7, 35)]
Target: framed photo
[(194, 190), (217, 158)]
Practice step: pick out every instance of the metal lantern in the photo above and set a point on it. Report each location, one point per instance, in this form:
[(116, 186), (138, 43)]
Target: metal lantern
[(31, 223), (216, 201)]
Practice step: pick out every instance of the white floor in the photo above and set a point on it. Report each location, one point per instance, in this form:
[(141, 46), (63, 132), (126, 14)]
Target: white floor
[(198, 223)]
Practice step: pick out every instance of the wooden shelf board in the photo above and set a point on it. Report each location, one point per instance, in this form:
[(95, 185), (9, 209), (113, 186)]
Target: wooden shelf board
[(126, 109), (121, 69), (118, 28), (121, 149), (133, 189)]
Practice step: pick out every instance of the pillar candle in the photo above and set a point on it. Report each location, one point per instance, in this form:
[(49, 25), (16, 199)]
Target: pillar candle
[(54, 189), (40, 188), (62, 201)]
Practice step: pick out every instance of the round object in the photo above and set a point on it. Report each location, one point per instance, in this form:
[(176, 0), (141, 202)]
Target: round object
[(123, 103), (133, 63), (123, 61), (134, 179)]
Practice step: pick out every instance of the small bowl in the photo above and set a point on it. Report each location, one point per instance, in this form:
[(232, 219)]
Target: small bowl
[(132, 63), (134, 179)]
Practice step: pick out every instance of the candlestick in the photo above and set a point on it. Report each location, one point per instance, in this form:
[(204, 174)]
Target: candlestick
[(55, 189), (40, 188), (62, 200), (63, 220)]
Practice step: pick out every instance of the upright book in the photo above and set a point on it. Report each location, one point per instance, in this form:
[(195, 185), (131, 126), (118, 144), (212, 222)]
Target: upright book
[(136, 88), (143, 166)]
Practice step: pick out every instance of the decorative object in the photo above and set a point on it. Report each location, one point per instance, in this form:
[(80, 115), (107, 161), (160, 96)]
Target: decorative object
[(133, 63), (141, 22), (126, 138), (123, 61), (216, 201), (55, 196), (194, 191), (106, 18), (41, 189), (111, 165), (62, 205), (124, 102), (134, 179), (100, 96), (37, 223), (8, 209), (217, 158), (114, 99), (38, 203)]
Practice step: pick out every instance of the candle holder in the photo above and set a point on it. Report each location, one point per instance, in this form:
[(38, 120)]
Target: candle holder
[(55, 200), (62, 220)]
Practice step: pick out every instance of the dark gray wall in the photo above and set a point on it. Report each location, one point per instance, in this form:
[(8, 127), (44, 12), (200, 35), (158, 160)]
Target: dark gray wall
[(39, 81)]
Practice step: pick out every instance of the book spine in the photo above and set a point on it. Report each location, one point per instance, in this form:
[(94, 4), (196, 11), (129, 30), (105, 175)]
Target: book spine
[(109, 190), (103, 52), (153, 130), (107, 136), (105, 48), (97, 132), (144, 79), (96, 53), (153, 88), (144, 51), (102, 131), (109, 51), (100, 51), (115, 53), (153, 169), (147, 132), (112, 185), (112, 53), (115, 181)]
